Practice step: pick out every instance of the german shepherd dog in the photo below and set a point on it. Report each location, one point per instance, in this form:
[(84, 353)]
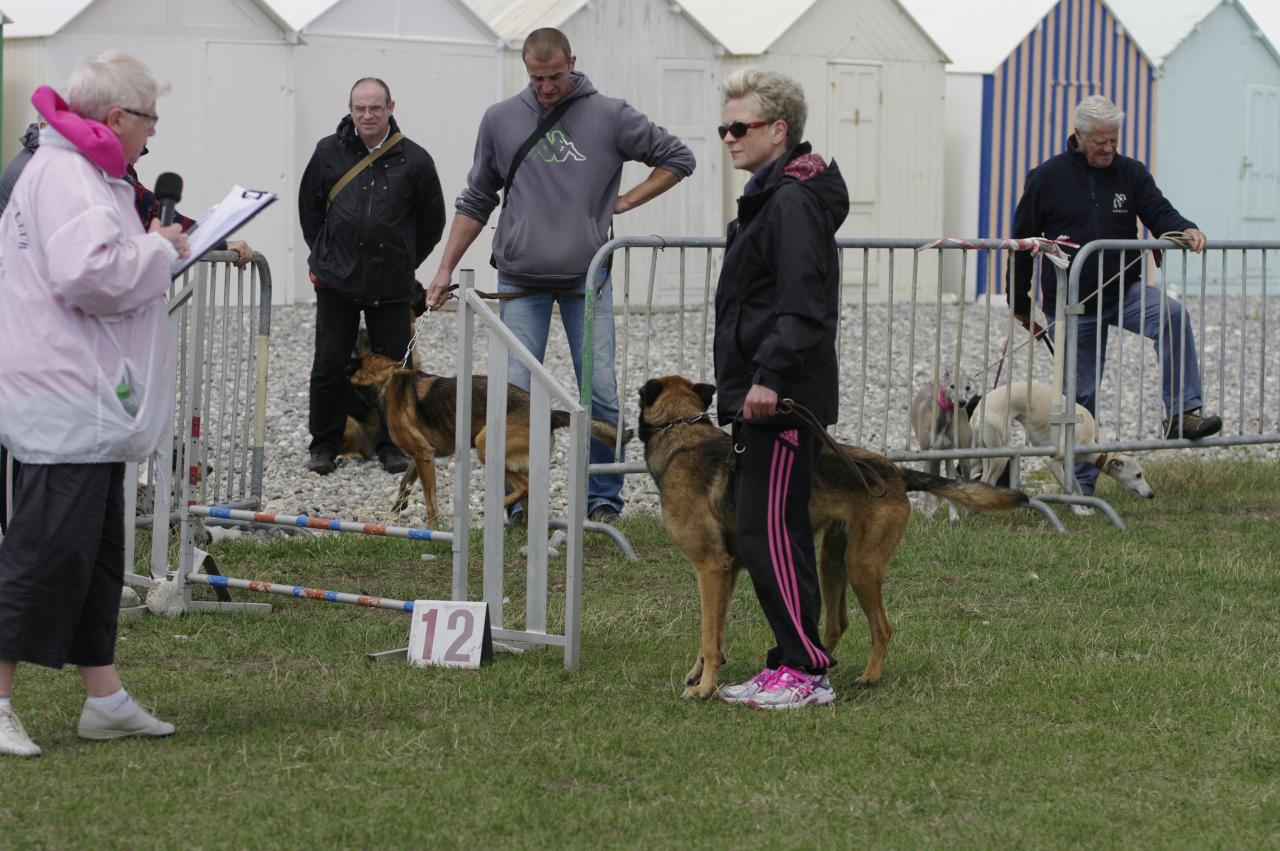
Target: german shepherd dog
[(859, 504), (360, 433), (421, 410)]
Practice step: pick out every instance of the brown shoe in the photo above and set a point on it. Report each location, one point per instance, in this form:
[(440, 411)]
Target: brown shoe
[(394, 461), (1190, 425)]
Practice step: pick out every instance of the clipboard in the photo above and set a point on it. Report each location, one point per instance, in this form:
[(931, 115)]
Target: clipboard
[(220, 221)]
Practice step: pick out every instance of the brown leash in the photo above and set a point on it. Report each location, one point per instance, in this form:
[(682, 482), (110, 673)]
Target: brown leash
[(856, 466)]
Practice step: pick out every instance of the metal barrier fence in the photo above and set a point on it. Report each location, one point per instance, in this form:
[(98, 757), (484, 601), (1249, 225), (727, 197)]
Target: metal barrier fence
[(896, 336), (228, 353), (1220, 323), (542, 390)]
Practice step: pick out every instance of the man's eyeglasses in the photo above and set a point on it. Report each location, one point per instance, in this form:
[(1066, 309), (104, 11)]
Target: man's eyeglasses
[(372, 110), (739, 128), (151, 119)]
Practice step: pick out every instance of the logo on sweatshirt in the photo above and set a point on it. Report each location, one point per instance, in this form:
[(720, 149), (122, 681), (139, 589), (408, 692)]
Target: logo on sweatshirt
[(1118, 203), (556, 148)]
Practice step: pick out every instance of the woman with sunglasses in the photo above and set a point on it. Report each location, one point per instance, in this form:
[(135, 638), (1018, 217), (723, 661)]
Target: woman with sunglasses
[(777, 308)]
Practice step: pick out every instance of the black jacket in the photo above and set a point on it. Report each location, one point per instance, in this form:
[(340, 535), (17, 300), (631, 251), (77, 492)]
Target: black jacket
[(381, 226), (778, 299), (1065, 196)]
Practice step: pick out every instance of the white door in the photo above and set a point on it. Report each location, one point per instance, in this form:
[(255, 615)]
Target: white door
[(1260, 170), (854, 122)]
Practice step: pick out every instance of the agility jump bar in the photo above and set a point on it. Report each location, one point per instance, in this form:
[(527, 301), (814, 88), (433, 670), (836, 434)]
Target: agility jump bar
[(301, 592), (303, 521)]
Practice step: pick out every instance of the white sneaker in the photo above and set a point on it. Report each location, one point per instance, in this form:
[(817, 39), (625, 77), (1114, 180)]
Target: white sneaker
[(100, 725), (13, 738), (792, 689), (742, 692)]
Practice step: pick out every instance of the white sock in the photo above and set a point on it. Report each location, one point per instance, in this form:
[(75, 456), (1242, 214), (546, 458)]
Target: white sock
[(113, 703), (6, 702)]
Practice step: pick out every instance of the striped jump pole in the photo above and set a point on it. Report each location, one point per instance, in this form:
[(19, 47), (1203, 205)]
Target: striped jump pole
[(303, 593), (219, 512)]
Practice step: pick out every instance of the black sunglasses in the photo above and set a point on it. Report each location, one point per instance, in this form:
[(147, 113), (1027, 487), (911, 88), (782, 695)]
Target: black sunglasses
[(739, 128)]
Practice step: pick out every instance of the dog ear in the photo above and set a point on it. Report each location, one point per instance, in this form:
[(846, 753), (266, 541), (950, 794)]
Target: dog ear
[(705, 393), (650, 392)]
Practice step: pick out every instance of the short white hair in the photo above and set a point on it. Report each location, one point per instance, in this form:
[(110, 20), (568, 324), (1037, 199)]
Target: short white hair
[(1097, 111), (112, 78)]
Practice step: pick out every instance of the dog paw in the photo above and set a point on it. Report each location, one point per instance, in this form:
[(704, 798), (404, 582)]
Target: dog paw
[(699, 692), (1082, 510), (866, 682)]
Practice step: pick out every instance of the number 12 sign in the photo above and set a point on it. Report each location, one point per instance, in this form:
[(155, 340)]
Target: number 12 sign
[(450, 634)]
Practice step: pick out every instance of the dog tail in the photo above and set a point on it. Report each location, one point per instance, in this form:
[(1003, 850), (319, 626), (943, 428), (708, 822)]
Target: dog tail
[(601, 430), (974, 496)]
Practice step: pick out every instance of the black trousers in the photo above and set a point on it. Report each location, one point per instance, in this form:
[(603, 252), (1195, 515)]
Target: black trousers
[(332, 397), (62, 565), (775, 540)]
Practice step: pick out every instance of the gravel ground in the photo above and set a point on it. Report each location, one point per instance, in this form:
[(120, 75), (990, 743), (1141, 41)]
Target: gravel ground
[(880, 372)]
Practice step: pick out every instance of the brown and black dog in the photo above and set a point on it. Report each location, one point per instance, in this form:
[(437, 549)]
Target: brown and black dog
[(859, 505), (421, 410)]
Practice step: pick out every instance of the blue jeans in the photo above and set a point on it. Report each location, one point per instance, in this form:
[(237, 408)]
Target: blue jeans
[(1140, 313), (529, 318)]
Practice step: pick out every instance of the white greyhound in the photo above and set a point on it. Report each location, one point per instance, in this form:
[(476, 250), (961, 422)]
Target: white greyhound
[(1031, 403)]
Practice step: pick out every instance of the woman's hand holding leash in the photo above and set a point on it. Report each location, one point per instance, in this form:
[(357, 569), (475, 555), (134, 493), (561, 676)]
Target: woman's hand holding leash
[(761, 402)]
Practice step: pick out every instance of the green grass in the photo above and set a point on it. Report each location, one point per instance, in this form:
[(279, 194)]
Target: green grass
[(1102, 688)]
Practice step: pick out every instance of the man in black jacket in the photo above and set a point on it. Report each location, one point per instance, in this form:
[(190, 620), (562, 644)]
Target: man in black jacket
[(371, 211), (1091, 192)]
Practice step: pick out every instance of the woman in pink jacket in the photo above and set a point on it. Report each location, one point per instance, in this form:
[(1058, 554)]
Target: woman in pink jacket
[(86, 384)]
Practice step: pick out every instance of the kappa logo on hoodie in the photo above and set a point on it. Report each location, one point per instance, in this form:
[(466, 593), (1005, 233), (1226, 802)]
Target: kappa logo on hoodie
[(555, 147)]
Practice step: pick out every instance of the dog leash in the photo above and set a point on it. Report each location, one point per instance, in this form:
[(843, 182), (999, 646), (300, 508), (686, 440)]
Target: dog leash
[(856, 466), (1039, 331)]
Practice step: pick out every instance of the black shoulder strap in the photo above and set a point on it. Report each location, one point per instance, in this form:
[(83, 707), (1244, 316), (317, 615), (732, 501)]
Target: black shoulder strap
[(544, 126)]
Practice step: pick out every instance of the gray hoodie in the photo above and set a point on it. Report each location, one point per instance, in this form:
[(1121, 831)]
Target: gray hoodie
[(561, 201)]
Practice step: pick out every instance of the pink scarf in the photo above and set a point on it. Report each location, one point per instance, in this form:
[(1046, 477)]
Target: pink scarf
[(94, 139)]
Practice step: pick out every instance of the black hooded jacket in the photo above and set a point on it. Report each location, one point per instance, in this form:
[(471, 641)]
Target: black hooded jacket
[(382, 225), (30, 141), (778, 298), (1065, 196)]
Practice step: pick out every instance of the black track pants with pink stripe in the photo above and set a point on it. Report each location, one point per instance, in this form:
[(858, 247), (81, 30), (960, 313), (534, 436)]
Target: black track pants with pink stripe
[(775, 540)]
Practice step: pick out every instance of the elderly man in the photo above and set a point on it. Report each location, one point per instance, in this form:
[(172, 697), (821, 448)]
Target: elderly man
[(1092, 192), (371, 211), (556, 212)]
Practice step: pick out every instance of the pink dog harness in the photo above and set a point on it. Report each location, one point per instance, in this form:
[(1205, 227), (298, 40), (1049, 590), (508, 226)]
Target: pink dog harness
[(943, 402)]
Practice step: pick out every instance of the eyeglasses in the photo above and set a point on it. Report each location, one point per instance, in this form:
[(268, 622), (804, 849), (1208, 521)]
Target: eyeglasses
[(375, 111), (739, 128), (151, 119)]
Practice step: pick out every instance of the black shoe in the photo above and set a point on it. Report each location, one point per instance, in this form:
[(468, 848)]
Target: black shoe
[(1190, 425), (322, 461), (605, 513), (394, 461)]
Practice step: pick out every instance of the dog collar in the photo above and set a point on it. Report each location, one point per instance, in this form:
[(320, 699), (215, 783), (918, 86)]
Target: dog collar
[(943, 402)]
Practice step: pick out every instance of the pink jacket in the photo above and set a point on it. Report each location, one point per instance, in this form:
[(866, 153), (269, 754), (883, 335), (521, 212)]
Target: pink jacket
[(82, 311)]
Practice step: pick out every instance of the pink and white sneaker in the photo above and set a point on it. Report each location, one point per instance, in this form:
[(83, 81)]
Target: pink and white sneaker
[(792, 689), (743, 692)]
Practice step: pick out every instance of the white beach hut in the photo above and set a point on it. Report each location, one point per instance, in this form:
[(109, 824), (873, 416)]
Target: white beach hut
[(873, 79), (1218, 114)]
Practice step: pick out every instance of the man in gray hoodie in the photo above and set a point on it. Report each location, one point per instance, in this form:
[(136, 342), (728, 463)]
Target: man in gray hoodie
[(556, 213)]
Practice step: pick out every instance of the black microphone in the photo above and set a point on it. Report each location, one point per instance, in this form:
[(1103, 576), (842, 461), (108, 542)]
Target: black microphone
[(169, 193)]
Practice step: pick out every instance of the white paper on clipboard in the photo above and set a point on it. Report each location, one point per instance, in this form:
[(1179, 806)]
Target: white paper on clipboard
[(220, 221)]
